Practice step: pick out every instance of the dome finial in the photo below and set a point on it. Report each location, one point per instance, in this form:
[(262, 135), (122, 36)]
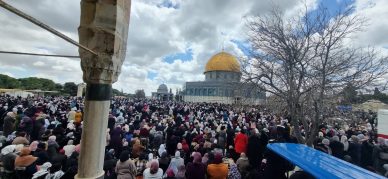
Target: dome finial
[(223, 45), (223, 42)]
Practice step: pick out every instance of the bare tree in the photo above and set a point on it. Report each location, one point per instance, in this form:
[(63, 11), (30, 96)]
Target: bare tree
[(306, 59)]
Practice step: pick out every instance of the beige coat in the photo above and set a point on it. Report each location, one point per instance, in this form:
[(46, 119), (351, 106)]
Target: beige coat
[(125, 170)]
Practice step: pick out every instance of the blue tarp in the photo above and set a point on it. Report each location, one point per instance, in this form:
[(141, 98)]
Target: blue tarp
[(344, 108), (319, 164)]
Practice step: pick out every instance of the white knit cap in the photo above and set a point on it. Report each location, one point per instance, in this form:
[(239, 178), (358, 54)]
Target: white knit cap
[(325, 141)]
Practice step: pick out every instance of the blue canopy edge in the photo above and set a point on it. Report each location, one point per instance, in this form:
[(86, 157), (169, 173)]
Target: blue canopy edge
[(320, 164)]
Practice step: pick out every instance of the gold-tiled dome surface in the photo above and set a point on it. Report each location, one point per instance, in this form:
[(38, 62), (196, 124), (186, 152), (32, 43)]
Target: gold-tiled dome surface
[(223, 62)]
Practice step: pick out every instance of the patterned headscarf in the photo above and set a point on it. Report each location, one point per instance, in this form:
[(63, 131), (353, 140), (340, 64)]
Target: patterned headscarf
[(233, 172)]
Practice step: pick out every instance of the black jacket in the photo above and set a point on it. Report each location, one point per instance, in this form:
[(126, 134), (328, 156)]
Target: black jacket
[(337, 149), (42, 156)]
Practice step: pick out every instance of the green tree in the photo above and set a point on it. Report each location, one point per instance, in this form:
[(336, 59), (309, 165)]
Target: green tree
[(349, 94), (140, 94), (47, 84), (58, 87), (8, 82), (32, 83), (70, 88), (376, 92), (116, 92)]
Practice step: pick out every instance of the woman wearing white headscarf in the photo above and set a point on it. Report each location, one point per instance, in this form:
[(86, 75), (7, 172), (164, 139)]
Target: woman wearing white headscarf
[(69, 148), (43, 170), (8, 156), (162, 148), (344, 140), (176, 162), (8, 149), (150, 158)]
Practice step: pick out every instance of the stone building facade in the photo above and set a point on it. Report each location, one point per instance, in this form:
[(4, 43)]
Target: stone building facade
[(223, 84), (163, 94)]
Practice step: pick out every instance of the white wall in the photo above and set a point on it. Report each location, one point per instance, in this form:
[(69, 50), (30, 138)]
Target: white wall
[(221, 99), (23, 94), (382, 126)]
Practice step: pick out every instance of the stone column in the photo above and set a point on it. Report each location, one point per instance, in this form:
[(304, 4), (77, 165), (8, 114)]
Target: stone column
[(103, 29), (80, 89)]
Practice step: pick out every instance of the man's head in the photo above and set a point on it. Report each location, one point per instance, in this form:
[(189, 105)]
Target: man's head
[(21, 134)]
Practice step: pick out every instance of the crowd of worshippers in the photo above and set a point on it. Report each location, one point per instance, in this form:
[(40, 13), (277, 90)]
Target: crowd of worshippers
[(40, 138)]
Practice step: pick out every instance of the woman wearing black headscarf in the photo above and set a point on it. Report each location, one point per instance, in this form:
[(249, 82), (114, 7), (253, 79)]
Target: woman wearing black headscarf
[(125, 168), (116, 140)]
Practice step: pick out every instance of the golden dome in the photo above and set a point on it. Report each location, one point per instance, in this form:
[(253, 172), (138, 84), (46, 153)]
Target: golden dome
[(223, 62)]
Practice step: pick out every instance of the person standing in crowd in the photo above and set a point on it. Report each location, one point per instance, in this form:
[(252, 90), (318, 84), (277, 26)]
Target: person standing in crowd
[(116, 138), (355, 150), (164, 161), (69, 148), (376, 157), (221, 141), (323, 146), (26, 124), (366, 152), (161, 149), (255, 150), (43, 171), (38, 127), (110, 166), (8, 156), (9, 123), (240, 142), (196, 169), (78, 117), (71, 114), (218, 169), (20, 139), (55, 171), (243, 164), (27, 161), (140, 163), (125, 168), (233, 172), (137, 148), (176, 162), (345, 142), (41, 154), (337, 148), (154, 172)]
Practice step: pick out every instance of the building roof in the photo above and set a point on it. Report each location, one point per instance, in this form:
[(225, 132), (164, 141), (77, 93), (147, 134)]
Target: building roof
[(222, 62), (162, 89)]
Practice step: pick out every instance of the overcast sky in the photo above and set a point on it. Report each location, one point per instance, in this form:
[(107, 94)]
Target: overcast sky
[(169, 41)]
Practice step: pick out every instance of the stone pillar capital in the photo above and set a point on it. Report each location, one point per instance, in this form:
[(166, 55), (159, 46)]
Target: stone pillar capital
[(103, 29)]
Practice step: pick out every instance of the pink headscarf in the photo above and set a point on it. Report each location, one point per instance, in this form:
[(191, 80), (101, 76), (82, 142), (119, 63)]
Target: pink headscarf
[(170, 173), (197, 157), (34, 145), (154, 166), (218, 158), (78, 148)]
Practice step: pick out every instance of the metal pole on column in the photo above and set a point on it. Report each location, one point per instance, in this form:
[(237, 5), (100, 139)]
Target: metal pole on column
[(104, 29)]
